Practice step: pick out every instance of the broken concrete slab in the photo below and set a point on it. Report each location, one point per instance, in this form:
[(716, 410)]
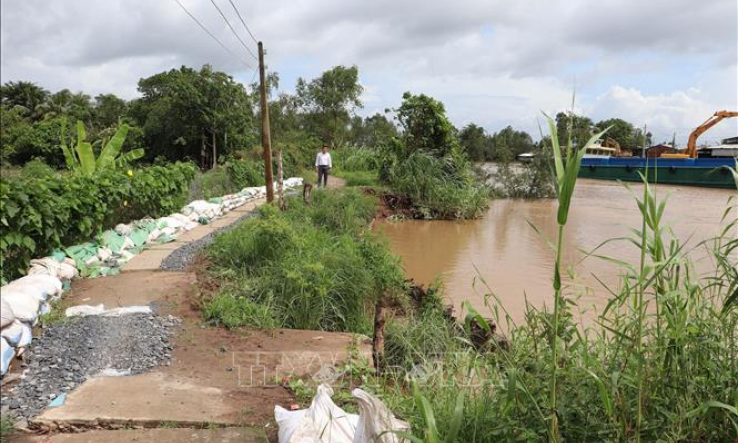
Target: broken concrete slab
[(130, 288), (145, 400), (178, 435)]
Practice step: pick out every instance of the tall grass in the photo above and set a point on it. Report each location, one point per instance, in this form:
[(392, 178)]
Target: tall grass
[(311, 267)]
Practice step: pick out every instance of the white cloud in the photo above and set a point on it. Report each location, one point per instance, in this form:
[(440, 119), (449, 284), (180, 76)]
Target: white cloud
[(664, 114), (492, 62)]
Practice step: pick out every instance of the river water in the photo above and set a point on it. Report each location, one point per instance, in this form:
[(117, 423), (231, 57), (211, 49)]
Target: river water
[(517, 264)]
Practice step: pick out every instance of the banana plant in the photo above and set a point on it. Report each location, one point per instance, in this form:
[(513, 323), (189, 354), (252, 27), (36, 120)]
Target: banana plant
[(81, 157)]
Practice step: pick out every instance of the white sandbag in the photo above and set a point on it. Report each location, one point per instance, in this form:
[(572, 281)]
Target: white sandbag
[(41, 286), (117, 312), (84, 310), (6, 313), (127, 244), (183, 219), (44, 266), (170, 222), (123, 229), (322, 422), (12, 333), (168, 231), (153, 235), (67, 271), (26, 337), (24, 305), (104, 253), (6, 356), (376, 422)]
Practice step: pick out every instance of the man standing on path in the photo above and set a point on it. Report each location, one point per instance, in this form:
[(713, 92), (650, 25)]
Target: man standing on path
[(323, 164)]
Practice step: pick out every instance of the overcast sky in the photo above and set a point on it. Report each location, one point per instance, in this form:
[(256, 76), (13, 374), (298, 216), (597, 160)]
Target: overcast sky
[(668, 64)]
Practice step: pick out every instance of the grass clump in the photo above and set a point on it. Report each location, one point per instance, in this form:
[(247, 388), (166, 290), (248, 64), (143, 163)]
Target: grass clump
[(6, 429), (310, 267)]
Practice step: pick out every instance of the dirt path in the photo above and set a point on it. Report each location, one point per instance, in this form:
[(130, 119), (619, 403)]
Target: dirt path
[(230, 378)]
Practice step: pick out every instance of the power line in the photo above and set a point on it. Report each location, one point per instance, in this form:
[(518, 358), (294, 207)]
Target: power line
[(232, 30), (242, 21), (211, 34)]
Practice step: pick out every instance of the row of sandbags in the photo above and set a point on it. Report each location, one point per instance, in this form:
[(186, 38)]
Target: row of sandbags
[(22, 302), (27, 298)]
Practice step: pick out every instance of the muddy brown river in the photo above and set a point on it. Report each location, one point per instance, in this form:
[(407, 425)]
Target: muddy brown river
[(517, 264)]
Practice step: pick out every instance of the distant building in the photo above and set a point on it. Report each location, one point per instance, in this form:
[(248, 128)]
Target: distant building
[(657, 150), (730, 141)]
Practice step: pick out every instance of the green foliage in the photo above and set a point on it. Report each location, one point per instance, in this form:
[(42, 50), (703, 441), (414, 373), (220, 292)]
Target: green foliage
[(329, 101), (311, 267), (529, 180), (81, 157), (40, 214), (184, 109), (23, 97), (6, 429), (425, 126), (36, 168)]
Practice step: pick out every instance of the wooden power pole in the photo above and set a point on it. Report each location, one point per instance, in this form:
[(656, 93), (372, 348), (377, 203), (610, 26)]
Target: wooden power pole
[(266, 139)]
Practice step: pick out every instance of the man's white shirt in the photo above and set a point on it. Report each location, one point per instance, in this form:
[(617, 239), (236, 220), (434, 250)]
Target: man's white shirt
[(323, 159)]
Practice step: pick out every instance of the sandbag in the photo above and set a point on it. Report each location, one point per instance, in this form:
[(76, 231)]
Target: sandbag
[(40, 286), (376, 422), (322, 422), (6, 356), (123, 229), (12, 333), (24, 306), (6, 313), (47, 265)]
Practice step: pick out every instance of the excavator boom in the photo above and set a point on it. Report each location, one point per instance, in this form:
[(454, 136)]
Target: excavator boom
[(691, 151)]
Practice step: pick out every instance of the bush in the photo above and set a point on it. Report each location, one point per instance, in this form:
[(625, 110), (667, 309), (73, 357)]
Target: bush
[(311, 267), (40, 214)]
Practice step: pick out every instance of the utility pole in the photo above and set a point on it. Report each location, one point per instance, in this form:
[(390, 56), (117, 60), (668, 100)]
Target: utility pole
[(266, 140)]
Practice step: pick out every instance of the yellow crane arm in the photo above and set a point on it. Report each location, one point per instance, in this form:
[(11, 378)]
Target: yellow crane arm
[(691, 150)]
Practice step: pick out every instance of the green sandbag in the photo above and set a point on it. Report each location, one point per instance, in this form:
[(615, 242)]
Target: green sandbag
[(58, 255), (82, 253), (112, 240), (216, 200), (139, 236)]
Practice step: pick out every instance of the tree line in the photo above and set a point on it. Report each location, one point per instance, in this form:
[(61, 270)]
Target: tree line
[(205, 115)]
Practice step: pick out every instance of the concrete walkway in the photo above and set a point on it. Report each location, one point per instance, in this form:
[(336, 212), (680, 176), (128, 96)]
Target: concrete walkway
[(217, 377)]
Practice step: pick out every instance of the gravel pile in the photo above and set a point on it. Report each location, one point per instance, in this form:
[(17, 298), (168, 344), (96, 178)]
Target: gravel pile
[(69, 353), (181, 258)]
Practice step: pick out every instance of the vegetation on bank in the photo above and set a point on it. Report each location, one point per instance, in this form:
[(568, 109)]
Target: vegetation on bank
[(48, 210), (309, 267)]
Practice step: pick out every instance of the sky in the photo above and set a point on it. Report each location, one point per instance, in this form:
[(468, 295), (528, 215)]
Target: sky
[(666, 64)]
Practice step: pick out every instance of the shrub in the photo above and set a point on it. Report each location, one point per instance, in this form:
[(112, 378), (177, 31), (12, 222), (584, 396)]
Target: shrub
[(40, 214)]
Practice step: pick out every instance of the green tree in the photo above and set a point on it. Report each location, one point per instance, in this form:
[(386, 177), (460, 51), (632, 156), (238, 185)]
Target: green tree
[(579, 128), (330, 100), (425, 126), (65, 103), (25, 96), (508, 143), (39, 140), (475, 142), (108, 111), (620, 130), (197, 115), (373, 131)]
